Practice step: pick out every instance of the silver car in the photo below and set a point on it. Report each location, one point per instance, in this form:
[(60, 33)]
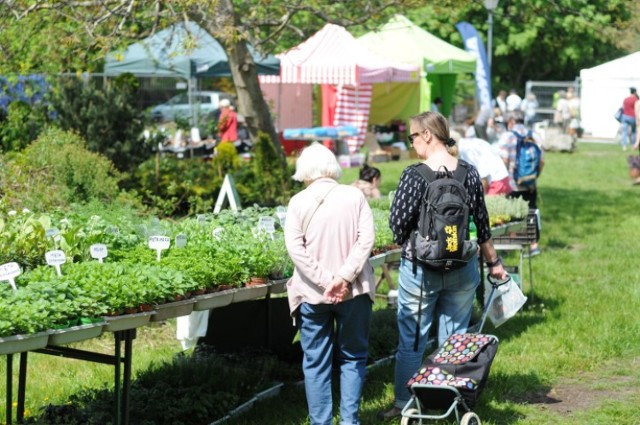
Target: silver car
[(205, 103)]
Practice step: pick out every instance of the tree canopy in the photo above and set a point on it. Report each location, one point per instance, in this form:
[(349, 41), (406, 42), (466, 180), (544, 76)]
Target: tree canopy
[(533, 39)]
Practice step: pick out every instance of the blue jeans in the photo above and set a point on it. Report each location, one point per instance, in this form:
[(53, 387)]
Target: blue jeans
[(628, 123), (450, 294), (346, 325)]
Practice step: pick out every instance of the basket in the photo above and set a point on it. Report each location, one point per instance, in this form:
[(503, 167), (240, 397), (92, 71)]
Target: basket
[(525, 236)]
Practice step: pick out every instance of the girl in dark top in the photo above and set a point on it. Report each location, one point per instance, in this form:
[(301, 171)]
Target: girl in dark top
[(449, 293), (369, 182)]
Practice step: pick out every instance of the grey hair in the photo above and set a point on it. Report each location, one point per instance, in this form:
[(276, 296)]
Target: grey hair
[(317, 161)]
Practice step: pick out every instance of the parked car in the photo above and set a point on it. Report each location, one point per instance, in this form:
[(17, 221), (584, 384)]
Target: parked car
[(206, 102)]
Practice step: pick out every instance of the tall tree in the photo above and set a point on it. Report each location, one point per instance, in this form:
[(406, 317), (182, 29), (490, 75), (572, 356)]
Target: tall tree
[(65, 31), (543, 39)]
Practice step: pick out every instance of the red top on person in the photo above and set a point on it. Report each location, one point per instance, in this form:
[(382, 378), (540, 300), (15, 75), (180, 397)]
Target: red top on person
[(228, 123)]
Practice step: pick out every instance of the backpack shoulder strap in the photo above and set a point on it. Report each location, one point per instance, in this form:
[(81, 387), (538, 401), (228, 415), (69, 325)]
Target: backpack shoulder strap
[(426, 172), (461, 171)]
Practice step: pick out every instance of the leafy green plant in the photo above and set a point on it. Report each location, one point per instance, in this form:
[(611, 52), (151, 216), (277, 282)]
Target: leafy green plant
[(55, 171)]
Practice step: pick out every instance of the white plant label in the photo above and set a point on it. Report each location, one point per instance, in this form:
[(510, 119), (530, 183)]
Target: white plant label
[(55, 259), (8, 272), (201, 219), (181, 240), (281, 217), (52, 232), (111, 230), (159, 243), (98, 251), (268, 224), (217, 233), (281, 209)]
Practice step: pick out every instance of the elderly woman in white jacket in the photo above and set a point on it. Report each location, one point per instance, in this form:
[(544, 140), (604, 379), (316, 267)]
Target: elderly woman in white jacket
[(329, 235)]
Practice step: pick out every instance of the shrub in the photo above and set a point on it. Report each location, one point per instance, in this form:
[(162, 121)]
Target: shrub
[(21, 125), (57, 170), (108, 118), (266, 182), (173, 186)]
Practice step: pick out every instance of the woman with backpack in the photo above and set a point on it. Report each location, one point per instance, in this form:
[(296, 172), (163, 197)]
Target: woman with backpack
[(435, 286)]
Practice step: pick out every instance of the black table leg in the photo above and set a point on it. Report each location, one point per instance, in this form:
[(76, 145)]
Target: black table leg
[(9, 412), (22, 384)]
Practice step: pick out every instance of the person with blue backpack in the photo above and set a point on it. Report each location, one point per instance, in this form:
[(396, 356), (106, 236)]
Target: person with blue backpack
[(520, 149)]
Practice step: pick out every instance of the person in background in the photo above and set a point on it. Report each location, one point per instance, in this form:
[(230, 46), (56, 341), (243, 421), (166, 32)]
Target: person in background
[(500, 103), (329, 235), (636, 145), (529, 106), (448, 293), (629, 119), (562, 114), (369, 182), (228, 123), (436, 105), (513, 101), (507, 149), (480, 154), (481, 121)]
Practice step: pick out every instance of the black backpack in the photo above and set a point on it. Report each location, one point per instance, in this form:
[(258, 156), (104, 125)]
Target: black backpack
[(441, 240)]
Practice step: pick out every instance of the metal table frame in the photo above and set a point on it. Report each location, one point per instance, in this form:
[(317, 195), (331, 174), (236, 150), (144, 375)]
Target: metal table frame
[(122, 374)]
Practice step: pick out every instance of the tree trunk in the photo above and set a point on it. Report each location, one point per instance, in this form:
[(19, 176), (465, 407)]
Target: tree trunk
[(251, 102)]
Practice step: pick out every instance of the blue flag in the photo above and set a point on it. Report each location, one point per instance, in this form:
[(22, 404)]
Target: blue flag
[(474, 45)]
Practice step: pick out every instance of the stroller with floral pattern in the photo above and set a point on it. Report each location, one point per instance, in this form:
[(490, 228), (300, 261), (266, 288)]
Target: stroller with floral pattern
[(453, 376)]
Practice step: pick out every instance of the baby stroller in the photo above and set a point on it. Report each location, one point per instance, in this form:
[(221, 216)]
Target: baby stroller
[(453, 376)]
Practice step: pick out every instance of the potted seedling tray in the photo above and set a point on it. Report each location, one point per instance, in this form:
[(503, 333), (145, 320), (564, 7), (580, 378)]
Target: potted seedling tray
[(173, 309), (20, 343), (76, 333), (127, 321)]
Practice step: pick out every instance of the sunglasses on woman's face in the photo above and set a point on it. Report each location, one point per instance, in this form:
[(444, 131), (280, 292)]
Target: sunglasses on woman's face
[(412, 136)]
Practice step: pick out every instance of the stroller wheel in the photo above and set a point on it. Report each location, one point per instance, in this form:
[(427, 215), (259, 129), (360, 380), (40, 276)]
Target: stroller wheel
[(470, 418), (408, 420)]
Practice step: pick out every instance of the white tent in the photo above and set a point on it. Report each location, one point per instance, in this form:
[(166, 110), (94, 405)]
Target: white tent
[(602, 90)]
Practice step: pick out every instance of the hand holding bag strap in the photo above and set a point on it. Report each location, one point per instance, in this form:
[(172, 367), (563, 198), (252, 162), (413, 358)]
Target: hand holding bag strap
[(311, 213)]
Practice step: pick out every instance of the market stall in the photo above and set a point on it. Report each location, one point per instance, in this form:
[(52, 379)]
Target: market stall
[(334, 57)]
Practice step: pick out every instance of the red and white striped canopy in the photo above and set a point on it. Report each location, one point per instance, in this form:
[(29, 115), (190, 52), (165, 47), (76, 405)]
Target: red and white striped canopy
[(334, 56)]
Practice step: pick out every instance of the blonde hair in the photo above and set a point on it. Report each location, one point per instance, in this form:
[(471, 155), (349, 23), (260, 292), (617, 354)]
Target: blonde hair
[(317, 161), (436, 123)]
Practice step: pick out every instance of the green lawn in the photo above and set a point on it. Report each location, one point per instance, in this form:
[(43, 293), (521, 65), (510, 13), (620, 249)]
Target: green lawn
[(570, 358)]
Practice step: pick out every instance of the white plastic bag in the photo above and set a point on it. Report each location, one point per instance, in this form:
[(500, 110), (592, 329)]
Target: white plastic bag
[(508, 299)]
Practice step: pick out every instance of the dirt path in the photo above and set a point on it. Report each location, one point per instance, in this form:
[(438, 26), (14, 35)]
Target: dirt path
[(588, 390)]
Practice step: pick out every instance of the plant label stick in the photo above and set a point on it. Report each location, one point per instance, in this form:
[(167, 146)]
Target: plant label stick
[(159, 243), (282, 215), (111, 230), (53, 233), (98, 251), (181, 240), (55, 258), (217, 233), (8, 272), (202, 219), (267, 224)]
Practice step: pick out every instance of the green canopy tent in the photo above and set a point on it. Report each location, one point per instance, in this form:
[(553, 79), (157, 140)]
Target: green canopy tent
[(183, 50), (402, 40)]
